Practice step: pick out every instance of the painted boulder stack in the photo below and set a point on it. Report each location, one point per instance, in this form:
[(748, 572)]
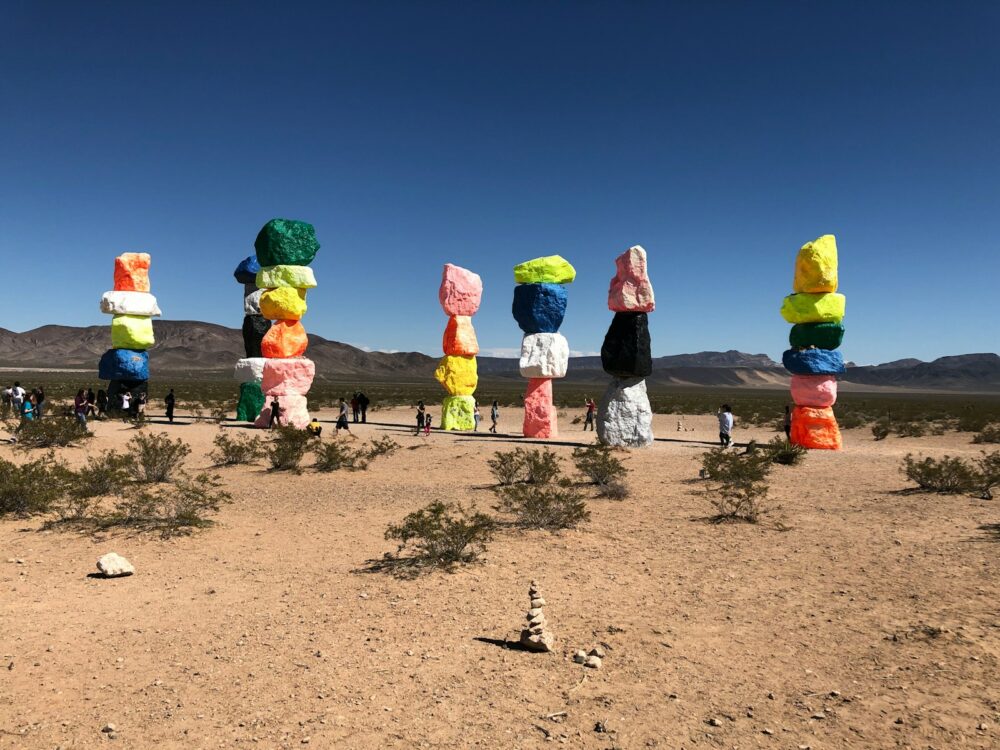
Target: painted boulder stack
[(816, 312), (272, 329), (249, 371), (624, 417), (539, 307), (460, 295), (132, 307)]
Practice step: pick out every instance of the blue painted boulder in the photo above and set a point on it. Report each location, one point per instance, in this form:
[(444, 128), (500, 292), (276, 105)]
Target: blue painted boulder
[(246, 271), (813, 362), (539, 308), (124, 364)]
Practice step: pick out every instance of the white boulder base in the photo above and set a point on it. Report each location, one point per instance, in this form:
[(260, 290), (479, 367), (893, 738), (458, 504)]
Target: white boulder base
[(624, 417), (251, 302), (130, 303), (113, 565), (249, 370), (544, 355)]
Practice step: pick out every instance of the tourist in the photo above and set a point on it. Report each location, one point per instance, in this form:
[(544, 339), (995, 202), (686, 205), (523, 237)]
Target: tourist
[(17, 397), (591, 411), (275, 414), (102, 404), (91, 398), (494, 416), (355, 407), (725, 426), (27, 409), (476, 416), (342, 419), (126, 405), (170, 400), (421, 412), (39, 401), (363, 402), (140, 406), (788, 422), (5, 396), (427, 423), (80, 407), (315, 428)]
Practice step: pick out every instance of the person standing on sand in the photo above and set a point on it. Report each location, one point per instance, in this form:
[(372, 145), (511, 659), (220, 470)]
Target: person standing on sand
[(102, 404), (363, 402), (90, 402), (788, 422), (725, 426), (355, 407), (591, 410), (5, 397), (28, 409), (140, 406), (427, 424), (17, 396), (170, 401), (342, 419), (80, 407), (275, 414), (476, 417), (127, 404), (494, 416), (421, 412)]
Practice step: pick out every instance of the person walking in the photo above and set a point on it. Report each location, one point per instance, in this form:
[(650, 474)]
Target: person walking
[(80, 407), (725, 426), (275, 414), (17, 397), (126, 405), (5, 396), (494, 416), (355, 407), (342, 419), (27, 409), (102, 404), (170, 401), (140, 406), (421, 413), (588, 420), (363, 402), (476, 417), (427, 424), (788, 422)]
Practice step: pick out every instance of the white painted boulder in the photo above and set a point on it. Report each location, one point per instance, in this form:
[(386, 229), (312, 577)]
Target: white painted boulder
[(249, 370), (544, 355), (130, 303), (624, 417), (113, 565)]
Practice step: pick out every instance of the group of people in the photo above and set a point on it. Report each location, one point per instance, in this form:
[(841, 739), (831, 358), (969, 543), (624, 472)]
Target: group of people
[(359, 407), (27, 406), (425, 418), (31, 406)]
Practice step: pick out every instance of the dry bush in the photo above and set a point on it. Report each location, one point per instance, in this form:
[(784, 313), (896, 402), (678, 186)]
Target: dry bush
[(443, 534), (383, 446), (989, 434), (880, 430), (946, 475), (234, 450), (172, 509), (614, 490), (334, 456), (107, 474), (740, 484), (51, 432), (288, 448), (156, 458), (599, 464), (33, 487), (520, 465), (781, 451), (911, 429), (507, 466), (987, 474), (543, 506)]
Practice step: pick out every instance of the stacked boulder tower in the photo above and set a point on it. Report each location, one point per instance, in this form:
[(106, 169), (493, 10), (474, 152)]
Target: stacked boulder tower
[(284, 249), (249, 371), (460, 295), (539, 308), (624, 417), (126, 364), (816, 312)]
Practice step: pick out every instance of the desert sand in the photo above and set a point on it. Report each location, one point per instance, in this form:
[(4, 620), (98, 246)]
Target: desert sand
[(855, 616)]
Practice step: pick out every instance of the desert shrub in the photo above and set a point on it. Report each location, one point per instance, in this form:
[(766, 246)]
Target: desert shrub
[(740, 484), (334, 456), (33, 487), (599, 464), (987, 474), (172, 509), (880, 430), (614, 490), (156, 458), (383, 446), (51, 432), (288, 448), (725, 466), (220, 413), (910, 429), (544, 506), (234, 450), (989, 434), (541, 466), (507, 466), (851, 419), (947, 475), (739, 502), (781, 451), (107, 474), (443, 534), (973, 421)]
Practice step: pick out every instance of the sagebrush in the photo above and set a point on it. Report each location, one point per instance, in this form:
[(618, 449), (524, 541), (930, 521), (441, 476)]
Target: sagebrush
[(543, 506), (156, 458), (236, 449), (443, 534), (51, 432), (288, 448), (599, 464), (739, 487)]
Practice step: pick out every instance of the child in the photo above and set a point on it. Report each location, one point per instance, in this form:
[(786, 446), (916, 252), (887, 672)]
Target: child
[(427, 423)]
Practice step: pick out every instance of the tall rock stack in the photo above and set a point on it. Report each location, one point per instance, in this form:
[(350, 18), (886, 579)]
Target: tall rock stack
[(624, 417), (460, 295), (284, 248), (126, 364), (536, 636), (816, 313), (249, 371), (539, 308)]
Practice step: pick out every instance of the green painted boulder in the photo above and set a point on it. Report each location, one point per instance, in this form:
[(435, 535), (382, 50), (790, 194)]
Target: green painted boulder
[(299, 277), (251, 402), (286, 242), (457, 413), (819, 335), (551, 269)]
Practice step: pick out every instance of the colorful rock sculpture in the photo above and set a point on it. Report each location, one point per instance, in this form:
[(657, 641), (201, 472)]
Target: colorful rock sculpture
[(624, 417), (539, 307), (460, 295), (816, 312), (132, 307), (276, 278)]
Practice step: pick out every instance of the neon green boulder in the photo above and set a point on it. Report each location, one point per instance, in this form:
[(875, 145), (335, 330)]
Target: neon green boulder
[(298, 277), (814, 308), (131, 332), (552, 269), (457, 413)]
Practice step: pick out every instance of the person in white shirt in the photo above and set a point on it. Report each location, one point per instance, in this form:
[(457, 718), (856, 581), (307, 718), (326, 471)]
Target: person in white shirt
[(725, 426), (17, 397)]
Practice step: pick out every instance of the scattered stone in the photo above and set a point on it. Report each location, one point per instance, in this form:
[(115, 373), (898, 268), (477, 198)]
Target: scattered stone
[(580, 657), (767, 731), (113, 565), (713, 722), (532, 638), (819, 716), (598, 652), (108, 728), (594, 662)]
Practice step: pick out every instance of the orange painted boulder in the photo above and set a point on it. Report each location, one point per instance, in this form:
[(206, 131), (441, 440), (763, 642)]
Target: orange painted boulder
[(132, 272), (539, 411), (460, 337), (814, 390), (815, 428), (286, 338)]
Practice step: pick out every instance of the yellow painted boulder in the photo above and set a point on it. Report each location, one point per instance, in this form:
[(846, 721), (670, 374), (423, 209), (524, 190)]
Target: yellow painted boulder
[(131, 332), (814, 308), (551, 269), (283, 303), (458, 375), (816, 266)]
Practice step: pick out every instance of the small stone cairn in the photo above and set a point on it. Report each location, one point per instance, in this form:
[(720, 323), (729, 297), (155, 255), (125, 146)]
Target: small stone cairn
[(536, 637)]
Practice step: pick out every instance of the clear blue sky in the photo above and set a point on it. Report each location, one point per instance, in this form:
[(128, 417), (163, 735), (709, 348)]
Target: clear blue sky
[(718, 135)]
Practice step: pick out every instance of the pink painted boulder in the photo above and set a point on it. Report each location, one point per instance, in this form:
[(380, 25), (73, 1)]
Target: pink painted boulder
[(294, 412), (287, 376), (631, 290), (539, 411), (461, 290), (817, 391)]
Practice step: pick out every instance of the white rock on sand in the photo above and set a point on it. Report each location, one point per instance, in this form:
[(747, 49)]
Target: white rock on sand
[(113, 565)]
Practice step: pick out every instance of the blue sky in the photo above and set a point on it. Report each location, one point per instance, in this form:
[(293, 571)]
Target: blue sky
[(719, 135)]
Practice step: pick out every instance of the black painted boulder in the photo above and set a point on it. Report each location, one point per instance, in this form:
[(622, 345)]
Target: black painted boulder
[(118, 387), (626, 350), (254, 328)]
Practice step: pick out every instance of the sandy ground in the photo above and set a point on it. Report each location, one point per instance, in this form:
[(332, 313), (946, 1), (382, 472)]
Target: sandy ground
[(871, 622)]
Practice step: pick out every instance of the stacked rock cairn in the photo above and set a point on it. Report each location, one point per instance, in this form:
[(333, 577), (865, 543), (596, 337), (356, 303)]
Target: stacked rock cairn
[(624, 417), (539, 308), (126, 364), (536, 636), (816, 313), (460, 295), (274, 362)]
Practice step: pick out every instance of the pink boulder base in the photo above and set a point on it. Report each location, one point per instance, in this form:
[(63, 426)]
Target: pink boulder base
[(288, 376), (539, 411), (461, 290), (631, 290), (294, 412), (817, 391)]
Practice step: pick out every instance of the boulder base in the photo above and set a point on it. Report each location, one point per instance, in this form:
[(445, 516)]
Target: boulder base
[(246, 271), (539, 308), (249, 370), (251, 301), (457, 413), (286, 338), (458, 375), (539, 411), (814, 308), (251, 402), (460, 337), (288, 377), (817, 391), (816, 266), (461, 290), (254, 328), (820, 335), (131, 332), (813, 362), (624, 417), (132, 272), (815, 428), (123, 364), (294, 412), (550, 269), (130, 303), (283, 303), (544, 355), (117, 387), (631, 290), (299, 277), (626, 349), (286, 242)]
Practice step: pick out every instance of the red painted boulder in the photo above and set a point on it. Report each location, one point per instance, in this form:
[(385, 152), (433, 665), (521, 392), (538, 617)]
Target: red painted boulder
[(539, 411), (461, 290), (631, 290), (132, 272), (817, 391)]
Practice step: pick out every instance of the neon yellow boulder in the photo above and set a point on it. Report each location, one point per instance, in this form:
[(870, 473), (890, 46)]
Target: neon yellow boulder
[(283, 303), (299, 277), (458, 375), (551, 269), (816, 266), (131, 332), (814, 308)]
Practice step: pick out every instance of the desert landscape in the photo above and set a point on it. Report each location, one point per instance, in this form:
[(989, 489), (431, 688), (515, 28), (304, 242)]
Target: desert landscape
[(856, 613)]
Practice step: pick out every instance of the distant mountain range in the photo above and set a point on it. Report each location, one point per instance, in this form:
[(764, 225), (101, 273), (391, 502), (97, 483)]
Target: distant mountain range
[(206, 349)]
